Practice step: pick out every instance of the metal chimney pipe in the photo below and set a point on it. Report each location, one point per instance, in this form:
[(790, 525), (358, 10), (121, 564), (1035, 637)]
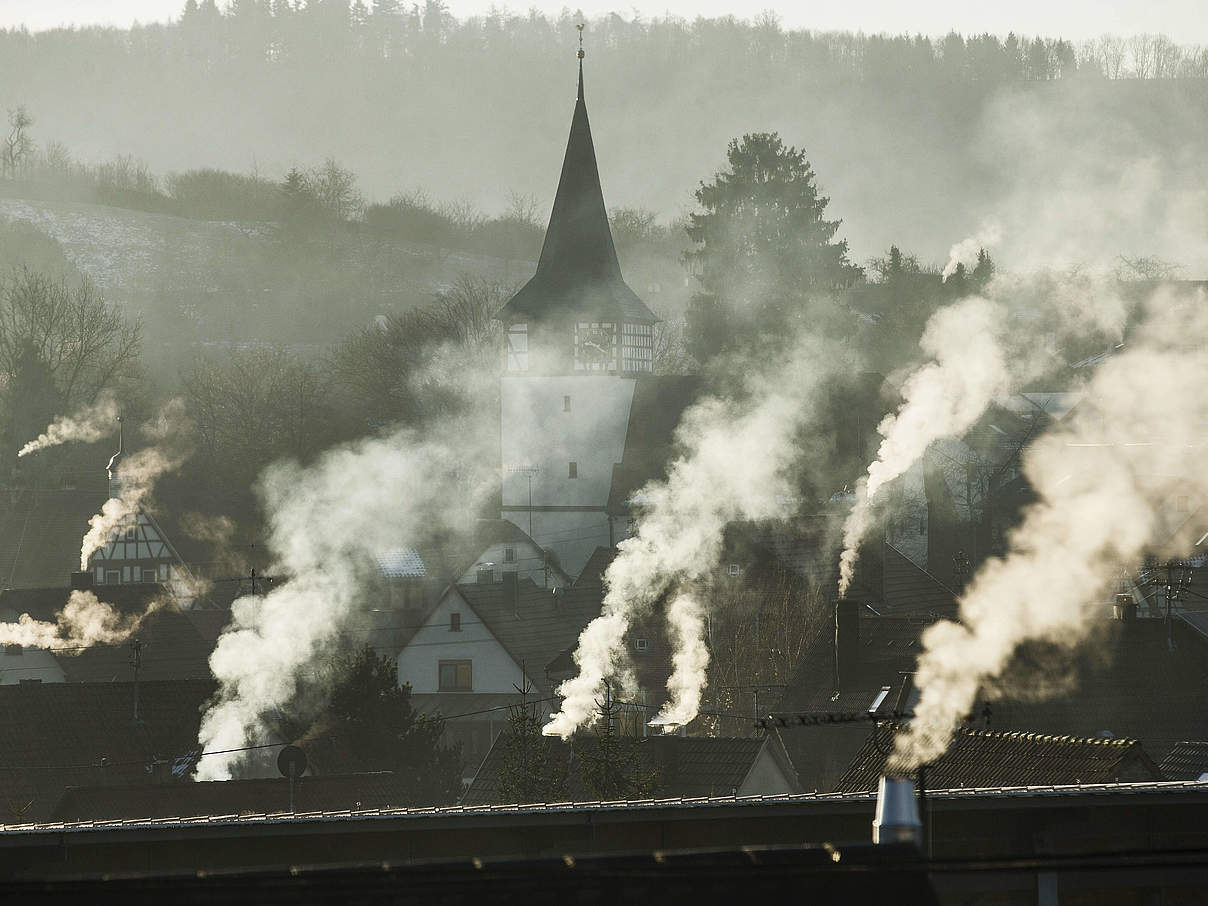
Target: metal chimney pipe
[(897, 816)]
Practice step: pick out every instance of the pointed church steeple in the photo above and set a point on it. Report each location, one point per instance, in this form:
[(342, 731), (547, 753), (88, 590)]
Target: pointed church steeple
[(578, 275)]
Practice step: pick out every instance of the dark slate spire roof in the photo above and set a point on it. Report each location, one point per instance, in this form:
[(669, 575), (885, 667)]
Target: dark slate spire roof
[(578, 273)]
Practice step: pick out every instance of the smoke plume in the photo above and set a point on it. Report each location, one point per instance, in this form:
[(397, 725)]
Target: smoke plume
[(966, 251), (686, 619), (83, 622), (940, 399), (137, 474), (88, 425), (1105, 478), (736, 456), (326, 523)]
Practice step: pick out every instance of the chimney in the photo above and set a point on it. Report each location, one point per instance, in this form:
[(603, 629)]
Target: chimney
[(1125, 608), (897, 816), (81, 580), (511, 592), (847, 642), (114, 462)]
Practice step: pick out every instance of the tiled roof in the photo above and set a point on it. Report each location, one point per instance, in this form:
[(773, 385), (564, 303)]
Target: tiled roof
[(593, 571), (57, 735), (1197, 620), (1188, 760), (654, 415), (683, 766), (1126, 679), (540, 625), (172, 648), (982, 758), (185, 799), (907, 588)]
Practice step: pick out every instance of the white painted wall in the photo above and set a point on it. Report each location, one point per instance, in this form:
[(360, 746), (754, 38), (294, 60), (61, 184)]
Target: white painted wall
[(493, 668), (535, 431)]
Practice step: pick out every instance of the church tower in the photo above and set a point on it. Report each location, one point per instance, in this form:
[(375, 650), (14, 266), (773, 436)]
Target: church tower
[(578, 340)]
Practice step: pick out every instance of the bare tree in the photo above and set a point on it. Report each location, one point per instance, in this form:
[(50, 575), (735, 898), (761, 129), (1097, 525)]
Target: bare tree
[(336, 190), (763, 623), (1112, 52), (410, 366), (18, 146), (253, 406), (85, 345)]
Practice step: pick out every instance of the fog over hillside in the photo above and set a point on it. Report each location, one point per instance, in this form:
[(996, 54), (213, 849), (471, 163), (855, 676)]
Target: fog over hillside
[(910, 137)]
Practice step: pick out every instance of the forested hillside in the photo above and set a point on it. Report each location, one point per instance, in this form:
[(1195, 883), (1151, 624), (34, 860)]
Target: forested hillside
[(932, 139)]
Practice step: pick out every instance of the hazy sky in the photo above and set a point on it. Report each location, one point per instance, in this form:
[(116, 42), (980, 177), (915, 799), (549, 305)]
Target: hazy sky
[(1184, 20)]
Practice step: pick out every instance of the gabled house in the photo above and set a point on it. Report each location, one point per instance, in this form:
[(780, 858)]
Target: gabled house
[(172, 645), (484, 642)]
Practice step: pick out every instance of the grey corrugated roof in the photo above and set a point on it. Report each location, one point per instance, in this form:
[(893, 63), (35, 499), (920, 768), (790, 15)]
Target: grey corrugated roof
[(186, 799), (789, 800)]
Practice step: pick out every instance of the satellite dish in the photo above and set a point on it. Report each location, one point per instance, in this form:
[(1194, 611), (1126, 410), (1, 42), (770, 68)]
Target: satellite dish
[(291, 762)]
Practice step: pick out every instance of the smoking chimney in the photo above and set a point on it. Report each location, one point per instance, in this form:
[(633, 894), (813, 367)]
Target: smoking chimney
[(115, 461), (1125, 608), (81, 580), (897, 817), (847, 642)]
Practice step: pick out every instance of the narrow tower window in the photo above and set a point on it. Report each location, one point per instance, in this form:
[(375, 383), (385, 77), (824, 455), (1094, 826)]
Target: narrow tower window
[(574, 470), (566, 404)]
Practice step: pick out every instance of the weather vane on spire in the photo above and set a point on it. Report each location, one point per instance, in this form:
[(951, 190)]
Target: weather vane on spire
[(580, 26)]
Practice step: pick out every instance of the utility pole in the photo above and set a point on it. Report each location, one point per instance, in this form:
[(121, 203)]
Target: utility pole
[(136, 661)]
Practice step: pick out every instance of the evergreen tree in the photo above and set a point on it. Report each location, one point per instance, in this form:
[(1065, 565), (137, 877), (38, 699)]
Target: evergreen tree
[(534, 767), (611, 764), (372, 714), (763, 246)]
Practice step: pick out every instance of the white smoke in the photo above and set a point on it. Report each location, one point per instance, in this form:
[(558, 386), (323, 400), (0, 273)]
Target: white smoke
[(941, 399), (88, 425), (1104, 477), (83, 622), (686, 619), (326, 524), (736, 456), (137, 474), (966, 251)]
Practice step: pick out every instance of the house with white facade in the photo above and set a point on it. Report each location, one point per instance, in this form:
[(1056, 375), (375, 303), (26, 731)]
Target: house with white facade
[(482, 644)]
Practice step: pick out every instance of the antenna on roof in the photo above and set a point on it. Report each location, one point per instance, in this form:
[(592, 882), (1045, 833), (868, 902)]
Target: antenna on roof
[(291, 762)]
